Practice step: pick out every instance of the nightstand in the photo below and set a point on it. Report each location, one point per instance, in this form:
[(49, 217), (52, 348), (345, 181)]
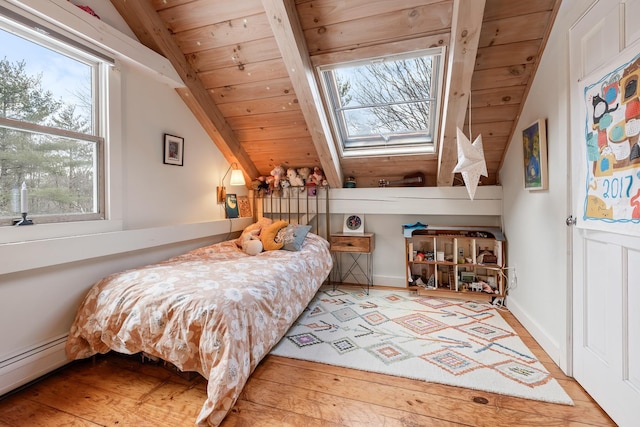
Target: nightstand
[(352, 253)]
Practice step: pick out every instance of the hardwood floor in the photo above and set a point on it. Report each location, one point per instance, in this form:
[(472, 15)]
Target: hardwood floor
[(117, 390)]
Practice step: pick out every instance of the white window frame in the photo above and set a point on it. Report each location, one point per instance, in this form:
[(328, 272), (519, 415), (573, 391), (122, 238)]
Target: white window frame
[(407, 143), (109, 126), (51, 39)]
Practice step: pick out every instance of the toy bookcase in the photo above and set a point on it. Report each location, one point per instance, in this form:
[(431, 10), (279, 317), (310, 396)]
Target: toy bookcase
[(451, 260)]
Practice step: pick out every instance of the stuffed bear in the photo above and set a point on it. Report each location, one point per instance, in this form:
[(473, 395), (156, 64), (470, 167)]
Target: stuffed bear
[(304, 174), (294, 178), (251, 243), (255, 228)]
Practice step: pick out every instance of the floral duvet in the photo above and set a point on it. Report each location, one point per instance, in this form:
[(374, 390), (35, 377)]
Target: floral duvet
[(214, 310)]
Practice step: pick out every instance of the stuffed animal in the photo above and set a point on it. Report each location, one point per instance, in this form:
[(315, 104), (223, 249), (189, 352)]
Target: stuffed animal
[(251, 243), (277, 173), (285, 184), (260, 185), (270, 184), (294, 178), (317, 177), (88, 10), (304, 174), (268, 236), (255, 228)]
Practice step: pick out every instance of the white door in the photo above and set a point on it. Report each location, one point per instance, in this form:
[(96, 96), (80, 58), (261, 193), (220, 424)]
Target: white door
[(606, 266)]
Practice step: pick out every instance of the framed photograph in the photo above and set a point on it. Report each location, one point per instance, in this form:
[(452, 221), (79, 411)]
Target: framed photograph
[(244, 206), (173, 150), (231, 206), (534, 156), (353, 223)]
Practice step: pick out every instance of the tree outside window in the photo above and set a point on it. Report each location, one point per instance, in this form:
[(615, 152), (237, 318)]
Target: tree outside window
[(47, 138), (389, 102)]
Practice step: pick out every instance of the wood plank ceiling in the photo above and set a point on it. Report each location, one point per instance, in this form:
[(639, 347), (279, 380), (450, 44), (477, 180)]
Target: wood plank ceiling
[(248, 68)]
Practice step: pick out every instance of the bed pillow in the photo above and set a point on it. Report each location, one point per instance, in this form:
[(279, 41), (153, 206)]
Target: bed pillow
[(292, 236), (258, 225), (268, 236)]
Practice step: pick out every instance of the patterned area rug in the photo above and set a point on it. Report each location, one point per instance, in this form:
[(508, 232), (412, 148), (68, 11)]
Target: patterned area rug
[(453, 342)]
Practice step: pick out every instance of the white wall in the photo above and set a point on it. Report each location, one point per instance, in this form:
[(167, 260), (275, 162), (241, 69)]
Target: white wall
[(386, 209), (389, 256), (156, 194), (160, 210), (534, 222)]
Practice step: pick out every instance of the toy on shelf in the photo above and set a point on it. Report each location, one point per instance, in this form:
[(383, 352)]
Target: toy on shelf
[(280, 180)]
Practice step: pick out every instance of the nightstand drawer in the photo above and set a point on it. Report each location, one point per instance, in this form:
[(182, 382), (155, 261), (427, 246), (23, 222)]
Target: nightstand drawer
[(363, 243)]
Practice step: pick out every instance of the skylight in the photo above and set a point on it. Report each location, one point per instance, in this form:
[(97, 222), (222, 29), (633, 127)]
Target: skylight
[(386, 105)]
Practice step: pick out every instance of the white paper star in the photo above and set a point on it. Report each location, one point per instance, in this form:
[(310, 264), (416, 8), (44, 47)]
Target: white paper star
[(471, 162)]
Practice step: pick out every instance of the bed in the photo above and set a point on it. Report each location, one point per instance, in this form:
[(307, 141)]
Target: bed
[(214, 310)]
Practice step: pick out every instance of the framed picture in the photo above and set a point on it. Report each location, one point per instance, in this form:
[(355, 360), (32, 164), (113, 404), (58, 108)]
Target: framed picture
[(534, 156), (244, 206), (173, 150), (353, 223), (231, 206)]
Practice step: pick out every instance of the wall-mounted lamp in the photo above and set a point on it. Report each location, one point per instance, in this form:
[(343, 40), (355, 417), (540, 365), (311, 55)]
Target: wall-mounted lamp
[(236, 179)]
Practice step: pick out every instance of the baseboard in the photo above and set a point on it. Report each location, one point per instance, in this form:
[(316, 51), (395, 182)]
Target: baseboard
[(392, 281), (548, 345), (29, 364)]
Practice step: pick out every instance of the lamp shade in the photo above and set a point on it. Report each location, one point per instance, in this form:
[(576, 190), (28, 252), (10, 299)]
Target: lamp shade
[(236, 177)]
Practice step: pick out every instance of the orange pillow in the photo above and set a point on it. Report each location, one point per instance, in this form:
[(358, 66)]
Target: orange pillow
[(268, 236)]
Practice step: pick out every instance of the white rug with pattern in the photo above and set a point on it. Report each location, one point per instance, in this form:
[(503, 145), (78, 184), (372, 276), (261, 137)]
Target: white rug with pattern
[(453, 342)]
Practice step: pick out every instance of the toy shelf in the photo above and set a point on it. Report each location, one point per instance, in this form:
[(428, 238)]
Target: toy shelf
[(467, 262)]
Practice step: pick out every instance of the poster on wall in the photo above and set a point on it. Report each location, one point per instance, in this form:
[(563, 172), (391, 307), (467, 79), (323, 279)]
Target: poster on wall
[(610, 171)]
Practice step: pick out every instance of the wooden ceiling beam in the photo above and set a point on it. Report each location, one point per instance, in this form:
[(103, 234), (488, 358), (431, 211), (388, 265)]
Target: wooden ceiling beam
[(147, 25), (465, 35), (288, 32)]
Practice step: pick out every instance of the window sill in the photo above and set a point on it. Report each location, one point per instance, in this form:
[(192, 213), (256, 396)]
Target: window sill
[(387, 151), (20, 234), (28, 255)]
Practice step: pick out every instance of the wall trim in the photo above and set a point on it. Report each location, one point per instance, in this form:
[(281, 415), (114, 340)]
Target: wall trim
[(48, 252), (392, 281), (551, 347), (417, 201)]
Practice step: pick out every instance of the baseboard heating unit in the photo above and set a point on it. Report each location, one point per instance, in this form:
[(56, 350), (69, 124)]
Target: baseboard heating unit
[(27, 365)]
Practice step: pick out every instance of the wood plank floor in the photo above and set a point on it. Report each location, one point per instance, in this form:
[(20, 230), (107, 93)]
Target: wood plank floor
[(116, 390)]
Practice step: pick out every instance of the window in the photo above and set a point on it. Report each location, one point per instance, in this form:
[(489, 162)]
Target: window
[(385, 105), (52, 95)]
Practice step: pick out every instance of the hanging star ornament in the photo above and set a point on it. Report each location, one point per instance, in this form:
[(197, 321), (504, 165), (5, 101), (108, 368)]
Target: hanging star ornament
[(471, 162)]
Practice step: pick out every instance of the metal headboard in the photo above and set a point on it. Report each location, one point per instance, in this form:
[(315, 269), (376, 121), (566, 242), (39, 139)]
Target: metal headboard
[(299, 205)]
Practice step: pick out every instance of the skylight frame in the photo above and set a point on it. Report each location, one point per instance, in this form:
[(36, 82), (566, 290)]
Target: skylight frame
[(411, 141)]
